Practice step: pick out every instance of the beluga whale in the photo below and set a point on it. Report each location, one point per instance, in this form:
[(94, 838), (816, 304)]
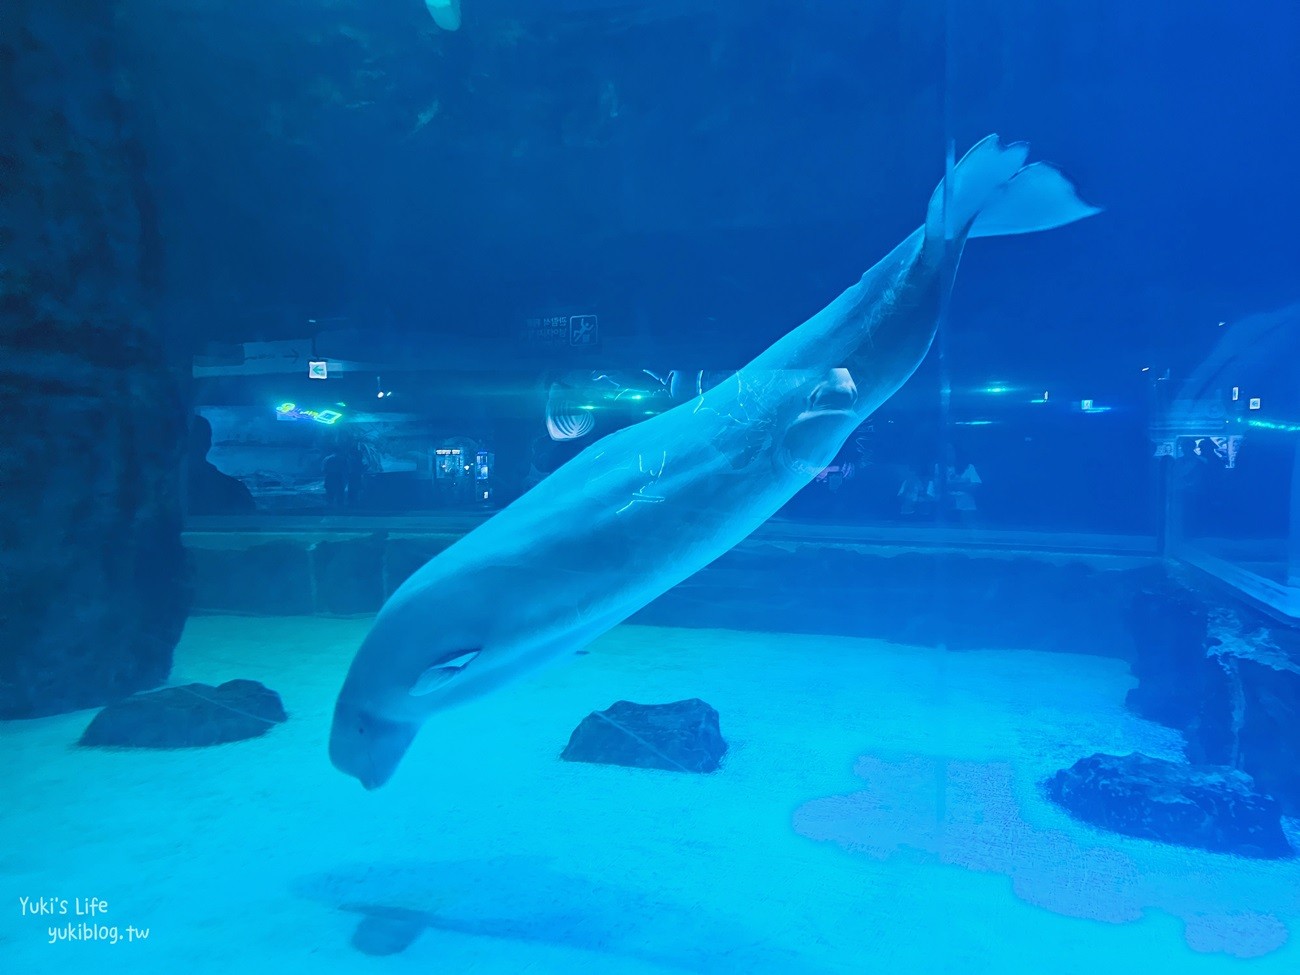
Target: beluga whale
[(643, 508)]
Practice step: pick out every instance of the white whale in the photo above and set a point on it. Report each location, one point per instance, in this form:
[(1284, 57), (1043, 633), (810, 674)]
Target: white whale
[(445, 13), (643, 508)]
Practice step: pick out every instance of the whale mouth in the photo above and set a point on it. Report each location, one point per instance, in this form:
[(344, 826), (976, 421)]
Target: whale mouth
[(367, 747), (813, 439)]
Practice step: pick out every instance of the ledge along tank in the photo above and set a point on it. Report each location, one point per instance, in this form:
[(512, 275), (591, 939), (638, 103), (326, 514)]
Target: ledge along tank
[(643, 487)]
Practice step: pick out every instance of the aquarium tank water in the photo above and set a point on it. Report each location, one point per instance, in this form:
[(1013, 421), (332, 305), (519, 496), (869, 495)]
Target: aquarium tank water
[(533, 487)]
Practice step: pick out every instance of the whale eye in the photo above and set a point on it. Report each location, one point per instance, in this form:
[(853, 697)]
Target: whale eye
[(441, 672)]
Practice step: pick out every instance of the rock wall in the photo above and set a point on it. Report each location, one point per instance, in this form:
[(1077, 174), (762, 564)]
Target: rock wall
[(965, 601), (1226, 676), (92, 596)]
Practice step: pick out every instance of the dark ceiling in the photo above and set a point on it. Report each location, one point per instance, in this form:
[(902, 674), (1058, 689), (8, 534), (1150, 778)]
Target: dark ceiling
[(709, 173)]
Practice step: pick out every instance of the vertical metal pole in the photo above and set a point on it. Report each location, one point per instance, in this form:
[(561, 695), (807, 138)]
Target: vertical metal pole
[(948, 272), (949, 267), (1293, 542)]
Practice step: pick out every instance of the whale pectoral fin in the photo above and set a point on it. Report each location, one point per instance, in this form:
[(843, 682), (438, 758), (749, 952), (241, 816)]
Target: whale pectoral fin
[(441, 672)]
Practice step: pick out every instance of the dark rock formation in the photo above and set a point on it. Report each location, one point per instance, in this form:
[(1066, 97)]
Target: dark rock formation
[(681, 737), (1225, 676), (349, 574), (342, 574), (1259, 713), (1209, 807), (91, 581), (1168, 625), (964, 601), (967, 601), (248, 575), (188, 716)]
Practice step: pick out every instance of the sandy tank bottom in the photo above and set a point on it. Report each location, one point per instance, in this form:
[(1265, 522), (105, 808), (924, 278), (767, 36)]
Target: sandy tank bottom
[(878, 811)]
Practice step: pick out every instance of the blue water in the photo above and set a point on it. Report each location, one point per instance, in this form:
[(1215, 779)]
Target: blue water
[(700, 177)]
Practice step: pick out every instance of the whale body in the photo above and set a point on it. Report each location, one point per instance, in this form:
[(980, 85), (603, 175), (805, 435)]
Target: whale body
[(642, 509), (445, 13)]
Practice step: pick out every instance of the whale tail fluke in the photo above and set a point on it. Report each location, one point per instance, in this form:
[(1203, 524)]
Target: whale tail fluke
[(993, 194)]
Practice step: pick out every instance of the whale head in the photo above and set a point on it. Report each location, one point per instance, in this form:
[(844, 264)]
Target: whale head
[(432, 647), (406, 669), (367, 745)]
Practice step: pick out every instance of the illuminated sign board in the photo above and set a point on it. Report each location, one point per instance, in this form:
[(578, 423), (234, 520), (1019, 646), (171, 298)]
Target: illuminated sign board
[(291, 411), (318, 369)]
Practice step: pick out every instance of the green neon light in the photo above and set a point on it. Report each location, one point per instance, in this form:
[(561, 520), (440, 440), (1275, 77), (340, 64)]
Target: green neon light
[(291, 411)]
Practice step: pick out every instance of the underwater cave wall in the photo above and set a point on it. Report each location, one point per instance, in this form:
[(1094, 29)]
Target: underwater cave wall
[(92, 596), (970, 600), (1225, 674)]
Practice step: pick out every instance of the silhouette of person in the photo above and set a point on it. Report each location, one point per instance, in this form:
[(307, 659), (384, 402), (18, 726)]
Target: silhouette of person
[(917, 493), (356, 472), (960, 480), (207, 490), (335, 469)]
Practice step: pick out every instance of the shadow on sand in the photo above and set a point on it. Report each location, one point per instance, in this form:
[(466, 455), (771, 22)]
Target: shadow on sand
[(525, 900)]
